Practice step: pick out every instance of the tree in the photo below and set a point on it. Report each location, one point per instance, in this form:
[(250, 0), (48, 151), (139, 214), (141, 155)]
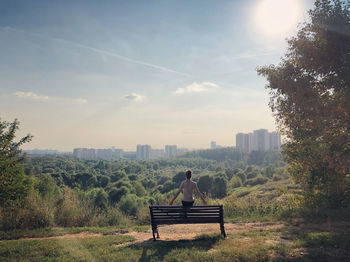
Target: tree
[(179, 177), (205, 183), (310, 94), (13, 184), (101, 200), (219, 186), (115, 194)]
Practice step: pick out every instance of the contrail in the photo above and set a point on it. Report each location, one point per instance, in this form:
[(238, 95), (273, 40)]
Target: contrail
[(101, 51)]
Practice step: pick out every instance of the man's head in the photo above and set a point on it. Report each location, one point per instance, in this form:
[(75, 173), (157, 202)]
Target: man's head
[(188, 174)]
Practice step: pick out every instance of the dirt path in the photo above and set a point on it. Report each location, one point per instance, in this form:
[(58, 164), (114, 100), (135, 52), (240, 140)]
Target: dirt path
[(173, 232), (189, 232), (78, 235)]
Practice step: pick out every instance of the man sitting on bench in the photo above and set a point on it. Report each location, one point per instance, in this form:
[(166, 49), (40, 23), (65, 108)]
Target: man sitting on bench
[(187, 188)]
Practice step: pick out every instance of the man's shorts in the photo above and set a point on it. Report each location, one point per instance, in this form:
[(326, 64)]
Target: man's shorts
[(187, 203)]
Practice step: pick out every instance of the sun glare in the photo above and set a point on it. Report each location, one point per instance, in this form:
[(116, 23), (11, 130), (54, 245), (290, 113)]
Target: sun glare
[(276, 18)]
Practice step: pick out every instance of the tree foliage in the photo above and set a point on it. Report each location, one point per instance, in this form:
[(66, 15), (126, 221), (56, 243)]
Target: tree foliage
[(13, 186), (310, 94)]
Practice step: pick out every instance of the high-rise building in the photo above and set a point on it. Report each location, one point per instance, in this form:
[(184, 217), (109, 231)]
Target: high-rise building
[(157, 153), (118, 153), (213, 144), (170, 151), (91, 153), (244, 142), (104, 153), (143, 152), (249, 142), (275, 141), (261, 140), (86, 153), (240, 142)]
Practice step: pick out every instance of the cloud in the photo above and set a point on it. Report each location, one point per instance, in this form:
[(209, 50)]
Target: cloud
[(101, 51), (134, 97), (195, 88), (34, 96), (31, 95)]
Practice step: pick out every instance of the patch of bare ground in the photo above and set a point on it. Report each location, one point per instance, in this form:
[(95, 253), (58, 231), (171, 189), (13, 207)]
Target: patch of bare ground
[(174, 232), (78, 235), (190, 232)]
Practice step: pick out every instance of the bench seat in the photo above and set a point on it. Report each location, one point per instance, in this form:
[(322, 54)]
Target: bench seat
[(168, 215)]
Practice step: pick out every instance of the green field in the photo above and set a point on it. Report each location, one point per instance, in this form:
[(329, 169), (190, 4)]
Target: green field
[(304, 242)]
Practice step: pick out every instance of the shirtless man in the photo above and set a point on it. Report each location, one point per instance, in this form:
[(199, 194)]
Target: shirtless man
[(187, 188)]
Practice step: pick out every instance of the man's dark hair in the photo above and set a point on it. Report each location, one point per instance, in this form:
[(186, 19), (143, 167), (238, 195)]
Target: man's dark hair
[(188, 174)]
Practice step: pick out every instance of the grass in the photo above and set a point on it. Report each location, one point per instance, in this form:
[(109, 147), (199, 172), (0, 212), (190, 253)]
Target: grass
[(70, 249), (59, 231), (287, 243)]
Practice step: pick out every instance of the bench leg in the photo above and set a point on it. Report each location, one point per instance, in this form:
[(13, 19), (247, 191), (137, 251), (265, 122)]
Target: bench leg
[(154, 230), (222, 228)]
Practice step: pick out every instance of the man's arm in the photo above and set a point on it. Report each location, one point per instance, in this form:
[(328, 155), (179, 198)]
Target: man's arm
[(172, 200), (201, 196), (177, 193)]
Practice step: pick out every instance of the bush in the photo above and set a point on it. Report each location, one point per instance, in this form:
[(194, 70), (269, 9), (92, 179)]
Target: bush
[(101, 200), (235, 182), (219, 187), (259, 180), (129, 204), (277, 177), (36, 213), (139, 189), (72, 211), (143, 215), (252, 175), (109, 217), (205, 183), (242, 176), (117, 193)]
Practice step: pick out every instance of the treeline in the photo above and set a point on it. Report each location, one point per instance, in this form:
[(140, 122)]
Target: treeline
[(65, 191)]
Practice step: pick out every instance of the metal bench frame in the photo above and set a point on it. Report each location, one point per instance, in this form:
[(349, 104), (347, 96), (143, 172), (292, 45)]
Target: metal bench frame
[(168, 215)]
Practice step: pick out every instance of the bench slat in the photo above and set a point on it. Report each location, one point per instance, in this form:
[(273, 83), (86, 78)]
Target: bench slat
[(182, 216), (183, 210), (189, 221)]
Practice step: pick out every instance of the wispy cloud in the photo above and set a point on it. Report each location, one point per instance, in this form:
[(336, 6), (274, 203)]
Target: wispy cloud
[(134, 97), (195, 88), (101, 51), (31, 95), (34, 96)]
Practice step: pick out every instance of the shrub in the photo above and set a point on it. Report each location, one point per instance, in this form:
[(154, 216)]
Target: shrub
[(35, 214), (129, 204), (205, 183), (115, 194), (277, 177), (219, 187), (252, 175), (101, 200), (235, 182), (72, 211), (143, 215), (139, 189), (242, 176), (259, 180), (109, 217)]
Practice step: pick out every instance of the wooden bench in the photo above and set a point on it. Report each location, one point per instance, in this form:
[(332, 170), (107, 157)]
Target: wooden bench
[(167, 215)]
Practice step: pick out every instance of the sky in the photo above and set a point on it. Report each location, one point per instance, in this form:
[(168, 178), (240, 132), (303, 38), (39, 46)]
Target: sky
[(98, 74)]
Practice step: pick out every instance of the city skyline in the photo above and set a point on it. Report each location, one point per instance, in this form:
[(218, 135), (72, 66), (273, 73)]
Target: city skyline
[(211, 145), (91, 74)]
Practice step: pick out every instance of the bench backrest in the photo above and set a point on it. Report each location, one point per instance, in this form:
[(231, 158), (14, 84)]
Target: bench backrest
[(186, 215)]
